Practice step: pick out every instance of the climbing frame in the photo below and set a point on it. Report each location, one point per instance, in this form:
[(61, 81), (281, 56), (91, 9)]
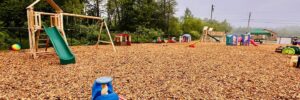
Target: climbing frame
[(56, 20), (209, 35)]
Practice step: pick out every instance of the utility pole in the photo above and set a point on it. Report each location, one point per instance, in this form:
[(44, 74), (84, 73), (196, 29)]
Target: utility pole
[(211, 11), (249, 19)]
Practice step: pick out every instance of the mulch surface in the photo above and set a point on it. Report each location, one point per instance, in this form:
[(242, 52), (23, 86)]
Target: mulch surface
[(154, 71)]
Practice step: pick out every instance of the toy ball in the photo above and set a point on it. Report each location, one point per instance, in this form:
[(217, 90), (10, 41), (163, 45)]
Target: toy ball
[(16, 47)]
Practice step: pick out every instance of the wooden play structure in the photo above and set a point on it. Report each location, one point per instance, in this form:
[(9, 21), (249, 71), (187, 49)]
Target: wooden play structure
[(209, 35), (123, 39), (37, 39)]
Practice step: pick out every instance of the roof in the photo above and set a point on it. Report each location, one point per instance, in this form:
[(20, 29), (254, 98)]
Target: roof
[(50, 2), (187, 35), (259, 32)]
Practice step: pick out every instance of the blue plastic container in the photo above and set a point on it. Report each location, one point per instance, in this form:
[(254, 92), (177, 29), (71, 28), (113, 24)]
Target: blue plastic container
[(97, 87), (245, 39), (231, 40)]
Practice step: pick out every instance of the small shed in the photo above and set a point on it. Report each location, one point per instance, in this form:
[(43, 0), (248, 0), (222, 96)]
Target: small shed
[(263, 34)]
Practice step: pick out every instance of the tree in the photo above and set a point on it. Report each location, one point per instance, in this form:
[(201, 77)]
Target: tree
[(127, 15), (190, 23), (187, 14), (71, 6), (95, 7), (219, 26), (174, 27)]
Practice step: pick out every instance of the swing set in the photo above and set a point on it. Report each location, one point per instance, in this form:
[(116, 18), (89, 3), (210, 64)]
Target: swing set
[(56, 20)]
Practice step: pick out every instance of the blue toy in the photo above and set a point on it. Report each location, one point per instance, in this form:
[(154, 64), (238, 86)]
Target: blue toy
[(232, 40), (103, 89), (245, 39)]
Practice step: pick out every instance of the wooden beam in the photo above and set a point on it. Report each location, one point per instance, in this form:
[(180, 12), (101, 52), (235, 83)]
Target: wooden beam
[(46, 13), (112, 42), (55, 6), (82, 16), (104, 41), (34, 3), (99, 36)]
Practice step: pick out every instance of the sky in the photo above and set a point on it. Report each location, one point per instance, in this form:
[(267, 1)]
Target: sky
[(265, 13)]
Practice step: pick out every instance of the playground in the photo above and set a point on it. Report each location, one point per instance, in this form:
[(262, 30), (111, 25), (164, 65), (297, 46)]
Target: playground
[(153, 71)]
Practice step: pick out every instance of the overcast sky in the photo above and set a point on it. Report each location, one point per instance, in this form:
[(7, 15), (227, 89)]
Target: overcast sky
[(265, 13)]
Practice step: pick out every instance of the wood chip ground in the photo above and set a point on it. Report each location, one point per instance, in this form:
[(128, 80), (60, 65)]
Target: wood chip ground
[(154, 71)]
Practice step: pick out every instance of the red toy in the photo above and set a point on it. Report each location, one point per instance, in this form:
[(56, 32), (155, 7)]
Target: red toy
[(172, 40), (120, 37)]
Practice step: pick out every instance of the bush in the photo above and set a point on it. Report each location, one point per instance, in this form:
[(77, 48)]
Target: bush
[(3, 42), (6, 41), (88, 35), (195, 35), (145, 35)]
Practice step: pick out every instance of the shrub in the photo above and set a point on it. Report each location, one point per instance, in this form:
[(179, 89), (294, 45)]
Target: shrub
[(195, 35)]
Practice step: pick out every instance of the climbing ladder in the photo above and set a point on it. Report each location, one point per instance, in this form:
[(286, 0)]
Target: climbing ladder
[(43, 40)]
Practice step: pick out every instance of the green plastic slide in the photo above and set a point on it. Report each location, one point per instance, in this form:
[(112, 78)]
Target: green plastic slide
[(62, 49)]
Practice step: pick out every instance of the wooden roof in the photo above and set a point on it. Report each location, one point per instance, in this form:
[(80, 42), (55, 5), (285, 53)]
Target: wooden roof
[(50, 2)]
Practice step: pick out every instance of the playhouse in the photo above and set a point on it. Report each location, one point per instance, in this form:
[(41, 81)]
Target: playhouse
[(123, 39), (261, 35), (185, 38)]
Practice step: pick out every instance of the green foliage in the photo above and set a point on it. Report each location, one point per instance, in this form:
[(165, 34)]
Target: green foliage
[(174, 27), (195, 34), (187, 14), (85, 35), (192, 25), (12, 12), (130, 14), (146, 35), (219, 26), (3, 40), (72, 6)]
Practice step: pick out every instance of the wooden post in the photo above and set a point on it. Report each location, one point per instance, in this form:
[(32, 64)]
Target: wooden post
[(29, 30), (32, 32), (112, 42), (99, 36), (37, 40), (40, 21)]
